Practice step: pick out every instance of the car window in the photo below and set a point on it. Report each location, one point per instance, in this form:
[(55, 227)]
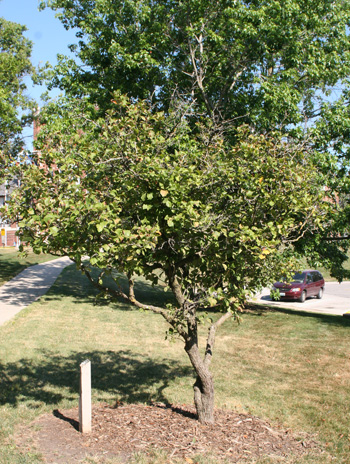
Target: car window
[(317, 276), (309, 279), (299, 277)]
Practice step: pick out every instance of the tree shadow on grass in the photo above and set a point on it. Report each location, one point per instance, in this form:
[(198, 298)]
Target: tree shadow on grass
[(71, 283), (9, 269), (125, 376), (259, 310)]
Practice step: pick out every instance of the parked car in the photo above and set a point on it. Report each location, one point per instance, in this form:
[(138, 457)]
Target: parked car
[(303, 285)]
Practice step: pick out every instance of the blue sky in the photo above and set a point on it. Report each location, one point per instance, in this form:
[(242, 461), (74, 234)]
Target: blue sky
[(45, 31), (47, 34)]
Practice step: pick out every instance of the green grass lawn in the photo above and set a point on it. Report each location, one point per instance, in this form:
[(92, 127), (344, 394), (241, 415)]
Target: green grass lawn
[(289, 369), (11, 263)]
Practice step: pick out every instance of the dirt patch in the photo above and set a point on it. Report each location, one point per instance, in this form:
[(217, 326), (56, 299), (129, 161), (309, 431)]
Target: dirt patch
[(126, 429)]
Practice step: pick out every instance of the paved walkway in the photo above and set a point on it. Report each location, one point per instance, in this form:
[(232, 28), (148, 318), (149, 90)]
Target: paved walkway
[(28, 286)]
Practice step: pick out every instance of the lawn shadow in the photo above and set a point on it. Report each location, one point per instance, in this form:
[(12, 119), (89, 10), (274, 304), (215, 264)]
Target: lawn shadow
[(259, 310), (72, 283), (10, 269), (126, 376), (13, 263)]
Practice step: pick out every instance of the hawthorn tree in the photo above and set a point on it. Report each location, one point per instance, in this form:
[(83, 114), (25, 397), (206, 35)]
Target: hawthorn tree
[(139, 193), (192, 148), (272, 65), (15, 65)]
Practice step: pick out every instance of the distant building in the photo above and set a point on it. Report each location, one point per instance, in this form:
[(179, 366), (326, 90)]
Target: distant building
[(8, 231)]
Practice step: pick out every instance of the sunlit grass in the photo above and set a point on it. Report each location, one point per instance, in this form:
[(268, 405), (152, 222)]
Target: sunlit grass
[(289, 369)]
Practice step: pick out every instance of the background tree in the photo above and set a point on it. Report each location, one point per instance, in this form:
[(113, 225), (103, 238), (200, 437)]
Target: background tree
[(331, 133), (269, 64), (15, 65), (141, 195)]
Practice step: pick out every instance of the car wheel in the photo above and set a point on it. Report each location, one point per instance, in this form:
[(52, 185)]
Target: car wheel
[(320, 294), (302, 297)]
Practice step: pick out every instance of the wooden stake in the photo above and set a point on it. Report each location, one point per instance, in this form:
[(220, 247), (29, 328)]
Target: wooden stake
[(85, 397)]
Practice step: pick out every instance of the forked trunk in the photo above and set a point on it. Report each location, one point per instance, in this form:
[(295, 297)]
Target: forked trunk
[(204, 400), (203, 387)]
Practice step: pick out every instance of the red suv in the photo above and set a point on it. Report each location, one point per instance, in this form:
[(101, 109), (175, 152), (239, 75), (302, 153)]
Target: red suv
[(303, 285)]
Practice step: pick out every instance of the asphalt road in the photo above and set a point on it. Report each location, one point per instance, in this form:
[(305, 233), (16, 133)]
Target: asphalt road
[(336, 300), (336, 289)]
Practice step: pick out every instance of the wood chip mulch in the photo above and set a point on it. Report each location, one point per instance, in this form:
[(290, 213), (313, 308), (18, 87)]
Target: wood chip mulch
[(126, 429)]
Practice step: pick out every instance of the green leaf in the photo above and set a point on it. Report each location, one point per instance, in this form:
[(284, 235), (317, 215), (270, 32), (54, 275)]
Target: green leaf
[(54, 231), (101, 226)]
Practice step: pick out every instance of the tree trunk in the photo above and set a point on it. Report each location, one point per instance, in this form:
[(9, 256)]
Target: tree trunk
[(204, 399), (203, 386)]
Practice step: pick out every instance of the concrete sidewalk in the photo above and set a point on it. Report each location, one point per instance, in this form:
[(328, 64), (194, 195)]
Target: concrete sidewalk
[(28, 286)]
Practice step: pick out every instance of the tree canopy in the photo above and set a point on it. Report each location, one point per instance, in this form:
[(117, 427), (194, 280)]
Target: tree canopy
[(15, 65)]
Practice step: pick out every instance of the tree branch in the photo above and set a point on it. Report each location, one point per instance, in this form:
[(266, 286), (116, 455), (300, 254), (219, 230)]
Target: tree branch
[(345, 237), (211, 337), (131, 299), (199, 75)]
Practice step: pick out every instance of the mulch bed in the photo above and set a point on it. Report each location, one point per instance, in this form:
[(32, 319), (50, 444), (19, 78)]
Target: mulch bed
[(131, 428)]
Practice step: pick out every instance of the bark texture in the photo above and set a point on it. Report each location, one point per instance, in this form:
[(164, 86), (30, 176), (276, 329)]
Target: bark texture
[(203, 386)]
